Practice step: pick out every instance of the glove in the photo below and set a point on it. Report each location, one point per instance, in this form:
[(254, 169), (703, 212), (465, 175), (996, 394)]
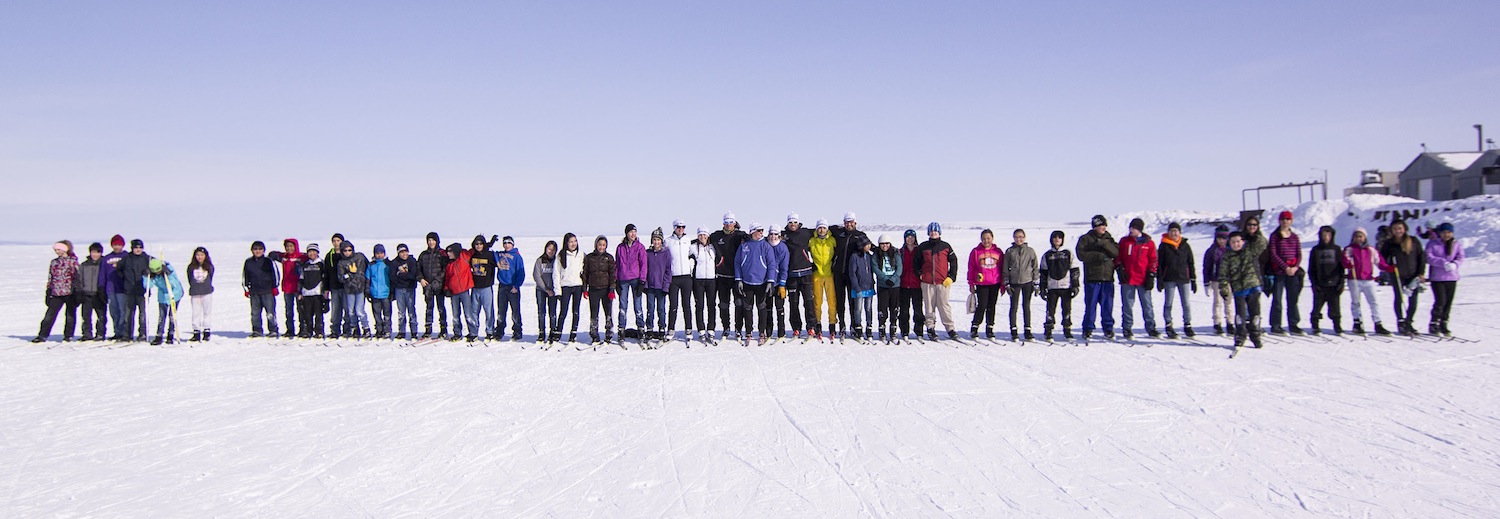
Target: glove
[(1149, 282), (890, 284), (352, 268), (247, 293), (585, 294), (1195, 286), (1450, 267), (781, 292), (275, 292), (1160, 287), (611, 295), (739, 288), (1073, 292), (494, 238), (947, 282)]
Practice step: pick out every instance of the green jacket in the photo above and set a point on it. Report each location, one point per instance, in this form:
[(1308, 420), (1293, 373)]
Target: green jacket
[(1097, 253), (1239, 270), (1256, 245)]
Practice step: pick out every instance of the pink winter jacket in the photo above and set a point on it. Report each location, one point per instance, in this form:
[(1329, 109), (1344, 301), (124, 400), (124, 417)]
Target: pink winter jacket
[(1363, 263)]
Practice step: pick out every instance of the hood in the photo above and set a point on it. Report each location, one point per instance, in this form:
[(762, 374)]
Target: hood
[(295, 246), (455, 249), (1333, 234)]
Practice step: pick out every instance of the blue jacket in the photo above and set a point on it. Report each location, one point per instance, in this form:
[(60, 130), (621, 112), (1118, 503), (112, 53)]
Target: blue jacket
[(861, 273), (780, 256), (379, 274), (510, 267), (754, 264), (161, 282), (888, 270)]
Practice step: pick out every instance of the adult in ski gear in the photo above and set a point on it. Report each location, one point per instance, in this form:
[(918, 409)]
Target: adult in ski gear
[(168, 290), (405, 273), (755, 278), (780, 257), (705, 260), (311, 305), (569, 273), (888, 271), (1021, 276), (287, 260), (378, 274), (911, 316), (986, 282), (825, 297), (657, 282), (62, 275), (433, 265), (1444, 256), (548, 295), (1284, 262), (510, 274), (1325, 269), (844, 238), (726, 244), (1223, 300), (115, 296), (351, 270), (90, 294), (133, 270), (630, 275), (1059, 284), (458, 282), (200, 281), (1365, 265), (1240, 272), (1137, 269), (860, 276), (680, 294), (1097, 250), (937, 268), (333, 284), (599, 279), (799, 280), (262, 282), (481, 259), (1407, 259), (1177, 275)]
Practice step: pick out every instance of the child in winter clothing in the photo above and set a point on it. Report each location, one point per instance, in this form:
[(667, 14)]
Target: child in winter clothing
[(1444, 256), (911, 316), (1060, 285), (405, 273), (658, 281), (262, 282), (62, 274), (548, 298), (569, 274), (861, 274), (888, 271), (458, 284), (1284, 261), (168, 293), (352, 267), (1364, 265), (1240, 272), (986, 282), (288, 261), (1223, 300), (1174, 265), (432, 266), (310, 300), (1137, 268), (200, 279), (630, 273), (599, 280), (1097, 250), (704, 257), (1407, 259), (91, 299), (1325, 269), (510, 274), (1021, 277), (378, 275), (937, 268)]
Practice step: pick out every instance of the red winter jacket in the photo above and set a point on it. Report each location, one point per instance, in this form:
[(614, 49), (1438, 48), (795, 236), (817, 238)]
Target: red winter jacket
[(1138, 256), (289, 277), (458, 279), (909, 278)]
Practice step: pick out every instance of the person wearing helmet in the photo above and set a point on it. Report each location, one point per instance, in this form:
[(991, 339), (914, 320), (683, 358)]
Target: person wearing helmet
[(169, 291), (726, 245), (937, 268)]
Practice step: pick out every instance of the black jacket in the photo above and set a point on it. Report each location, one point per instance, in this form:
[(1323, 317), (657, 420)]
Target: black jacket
[(133, 270), (260, 276), (431, 265), (725, 247), (1325, 266), (1409, 263), (1175, 264), (799, 260), (404, 273), (351, 271), (331, 279), (845, 244)]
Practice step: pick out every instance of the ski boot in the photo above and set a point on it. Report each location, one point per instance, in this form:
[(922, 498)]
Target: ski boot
[(1315, 329), (1171, 332), (952, 335), (1443, 328), (1187, 330), (989, 333), (1029, 337), (1068, 333), (1338, 329), (1125, 334), (1295, 330), (1277, 330), (1109, 335), (974, 333), (197, 336), (932, 334), (1358, 329), (1432, 328), (1014, 335), (156, 341), (1151, 332), (1219, 329)]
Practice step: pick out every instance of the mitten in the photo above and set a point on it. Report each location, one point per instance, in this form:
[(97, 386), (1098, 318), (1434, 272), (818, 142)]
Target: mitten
[(1195, 286), (947, 282), (781, 291), (611, 295)]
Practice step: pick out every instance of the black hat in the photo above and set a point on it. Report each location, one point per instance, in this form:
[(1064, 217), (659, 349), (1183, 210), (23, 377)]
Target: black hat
[(629, 227), (434, 237), (455, 248), (1174, 225), (96, 246), (137, 243), (258, 245), (1098, 220), (1222, 231), (508, 240), (338, 235), (402, 247), (1138, 224)]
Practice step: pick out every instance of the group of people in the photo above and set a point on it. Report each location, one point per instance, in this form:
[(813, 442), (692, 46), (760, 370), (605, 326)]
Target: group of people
[(823, 279)]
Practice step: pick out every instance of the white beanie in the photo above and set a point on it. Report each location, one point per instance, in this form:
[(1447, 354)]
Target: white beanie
[(849, 216)]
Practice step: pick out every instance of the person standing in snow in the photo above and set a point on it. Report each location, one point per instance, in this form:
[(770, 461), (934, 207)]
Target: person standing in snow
[(844, 238), (351, 270), (510, 274), (90, 295), (458, 283), (168, 289), (630, 275), (1407, 260), (1021, 275), (1059, 284), (861, 282), (1137, 268), (481, 259), (680, 295), (548, 296), (726, 244), (780, 258), (378, 277), (799, 286), (888, 271), (599, 279), (657, 282), (755, 279), (1444, 256), (288, 261), (1223, 300), (825, 297), (133, 270), (310, 301), (433, 265), (114, 289), (405, 271), (1325, 269), (1174, 263), (1097, 250), (62, 273), (261, 284), (986, 282), (1284, 252), (1364, 265), (1239, 272), (570, 282), (911, 316), (333, 284), (200, 280), (704, 258), (937, 268)]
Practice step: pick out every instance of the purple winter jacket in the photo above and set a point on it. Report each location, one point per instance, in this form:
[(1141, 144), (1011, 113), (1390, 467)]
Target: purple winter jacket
[(659, 270), (630, 261), (109, 280), (1439, 255)]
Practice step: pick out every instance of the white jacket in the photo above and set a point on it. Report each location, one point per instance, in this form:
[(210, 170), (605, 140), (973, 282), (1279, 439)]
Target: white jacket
[(680, 248), (572, 275), (705, 259)]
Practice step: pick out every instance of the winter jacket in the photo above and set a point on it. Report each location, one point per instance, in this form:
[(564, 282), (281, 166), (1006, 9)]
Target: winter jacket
[(133, 270), (599, 270), (1409, 263), (1174, 260), (1256, 245), (658, 269), (1284, 252), (680, 247), (1138, 256), (1097, 253), (510, 268), (909, 274), (630, 261), (753, 263), (168, 287), (1020, 265), (860, 273), (1239, 271), (61, 274), (432, 265), (846, 244), (331, 278), (986, 265), (935, 261), (1057, 271), (799, 259), (821, 250), (1439, 255), (378, 274), (310, 278), (288, 263), (1363, 262), (261, 276), (109, 273), (201, 281), (404, 272), (544, 274), (725, 247), (888, 271), (780, 259), (460, 276), (705, 260), (351, 271), (87, 280), (482, 267), (571, 274), (1325, 264), (1211, 263)]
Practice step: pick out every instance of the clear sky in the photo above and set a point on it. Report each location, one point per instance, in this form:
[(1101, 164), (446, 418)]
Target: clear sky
[(242, 118)]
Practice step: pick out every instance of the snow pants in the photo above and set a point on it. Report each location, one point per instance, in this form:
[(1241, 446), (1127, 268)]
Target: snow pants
[(938, 308)]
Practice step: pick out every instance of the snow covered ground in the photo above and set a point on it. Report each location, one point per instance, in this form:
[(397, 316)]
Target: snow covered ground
[(1305, 427)]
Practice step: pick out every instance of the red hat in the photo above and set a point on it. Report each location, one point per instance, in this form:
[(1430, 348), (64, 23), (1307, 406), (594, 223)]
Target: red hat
[(1286, 215), (117, 241)]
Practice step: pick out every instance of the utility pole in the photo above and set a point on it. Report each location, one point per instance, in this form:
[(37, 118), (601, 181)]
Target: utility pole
[(1480, 146), (1325, 181)]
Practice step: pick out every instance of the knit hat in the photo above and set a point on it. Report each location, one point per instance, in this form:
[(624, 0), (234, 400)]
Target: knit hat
[(656, 233), (258, 245), (155, 265), (1361, 230), (910, 233), (1286, 215), (793, 218), (629, 227), (455, 248), (678, 223), (313, 247), (434, 237), (1138, 224), (1222, 231), (401, 247), (338, 235), (1098, 220), (1057, 235), (137, 243), (1174, 225), (380, 248), (1445, 227), (729, 218), (934, 228), (756, 226), (96, 246), (822, 222), (774, 231), (507, 241), (849, 217), (117, 240), (882, 239), (702, 230)]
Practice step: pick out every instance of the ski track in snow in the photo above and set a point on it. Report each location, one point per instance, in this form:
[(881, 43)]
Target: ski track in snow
[(1305, 427)]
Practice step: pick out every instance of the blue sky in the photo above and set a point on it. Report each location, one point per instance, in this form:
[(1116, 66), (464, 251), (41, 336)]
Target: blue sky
[(538, 118)]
